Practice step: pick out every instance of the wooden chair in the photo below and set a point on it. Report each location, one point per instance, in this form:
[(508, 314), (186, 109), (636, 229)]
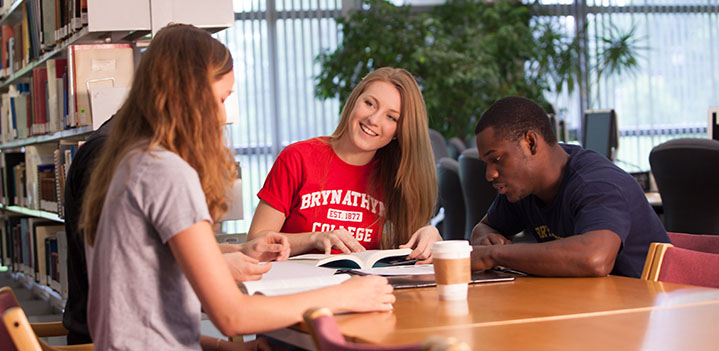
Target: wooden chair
[(19, 330), (8, 335), (327, 337), (670, 264)]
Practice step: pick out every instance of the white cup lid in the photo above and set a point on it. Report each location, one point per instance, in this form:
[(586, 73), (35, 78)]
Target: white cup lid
[(451, 246)]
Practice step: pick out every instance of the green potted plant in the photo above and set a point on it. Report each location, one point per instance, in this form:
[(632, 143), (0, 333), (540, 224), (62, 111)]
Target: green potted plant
[(465, 54)]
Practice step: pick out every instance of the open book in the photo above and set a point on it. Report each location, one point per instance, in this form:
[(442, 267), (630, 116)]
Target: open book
[(291, 286), (364, 259)]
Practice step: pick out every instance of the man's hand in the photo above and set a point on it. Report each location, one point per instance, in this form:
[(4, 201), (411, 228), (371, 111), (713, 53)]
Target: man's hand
[(422, 241), (339, 239), (480, 258), (269, 247), (494, 239), (244, 267)]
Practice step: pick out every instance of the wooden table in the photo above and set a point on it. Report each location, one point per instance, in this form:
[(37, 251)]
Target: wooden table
[(550, 313)]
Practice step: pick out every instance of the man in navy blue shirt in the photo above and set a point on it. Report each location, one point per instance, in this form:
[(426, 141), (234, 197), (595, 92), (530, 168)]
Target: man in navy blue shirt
[(589, 217)]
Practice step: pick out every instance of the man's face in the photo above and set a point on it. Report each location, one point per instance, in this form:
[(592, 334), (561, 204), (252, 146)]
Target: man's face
[(509, 165)]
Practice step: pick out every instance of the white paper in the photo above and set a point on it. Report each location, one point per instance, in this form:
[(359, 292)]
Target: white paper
[(291, 270), (292, 286)]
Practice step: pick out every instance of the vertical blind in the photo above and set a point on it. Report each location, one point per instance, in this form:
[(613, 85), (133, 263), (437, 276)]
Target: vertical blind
[(677, 80), (274, 43)]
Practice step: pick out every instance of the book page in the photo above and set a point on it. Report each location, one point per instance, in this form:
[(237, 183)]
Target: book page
[(370, 257), (291, 286), (340, 260), (291, 270)]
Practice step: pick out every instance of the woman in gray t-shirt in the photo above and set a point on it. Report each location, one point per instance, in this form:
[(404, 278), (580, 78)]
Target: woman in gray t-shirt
[(159, 184)]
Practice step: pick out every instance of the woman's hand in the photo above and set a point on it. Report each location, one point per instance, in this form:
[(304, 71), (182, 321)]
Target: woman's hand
[(340, 239), (422, 241), (243, 267), (268, 247), (366, 294)]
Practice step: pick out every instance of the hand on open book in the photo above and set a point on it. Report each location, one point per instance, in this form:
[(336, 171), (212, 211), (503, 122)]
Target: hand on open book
[(339, 239), (421, 243), (365, 294), (244, 267), (269, 247)]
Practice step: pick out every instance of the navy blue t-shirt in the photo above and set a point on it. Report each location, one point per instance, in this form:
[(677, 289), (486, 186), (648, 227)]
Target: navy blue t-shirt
[(594, 194)]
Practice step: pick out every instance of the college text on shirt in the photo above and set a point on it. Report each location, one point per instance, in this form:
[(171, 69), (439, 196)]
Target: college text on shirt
[(350, 198)]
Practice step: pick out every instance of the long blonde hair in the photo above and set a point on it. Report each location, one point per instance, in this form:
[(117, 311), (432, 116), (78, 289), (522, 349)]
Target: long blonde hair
[(172, 105), (405, 170)]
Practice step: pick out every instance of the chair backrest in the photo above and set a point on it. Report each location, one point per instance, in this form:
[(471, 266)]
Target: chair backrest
[(439, 145), (687, 175), (7, 301), (677, 265), (696, 242), (327, 336), (478, 192), (452, 199), (455, 146), (18, 327)]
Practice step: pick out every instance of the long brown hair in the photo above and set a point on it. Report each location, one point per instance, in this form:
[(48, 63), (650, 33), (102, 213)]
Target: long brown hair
[(172, 105), (405, 170)]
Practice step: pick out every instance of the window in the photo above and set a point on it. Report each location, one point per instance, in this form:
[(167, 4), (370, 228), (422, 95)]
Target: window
[(274, 43)]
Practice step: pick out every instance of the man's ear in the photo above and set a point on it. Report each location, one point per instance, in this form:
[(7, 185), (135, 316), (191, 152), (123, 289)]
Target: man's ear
[(532, 140)]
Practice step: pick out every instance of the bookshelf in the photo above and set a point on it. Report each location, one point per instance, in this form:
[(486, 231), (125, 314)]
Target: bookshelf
[(27, 156)]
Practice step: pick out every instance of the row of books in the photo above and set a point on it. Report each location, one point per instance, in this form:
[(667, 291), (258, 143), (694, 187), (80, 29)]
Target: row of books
[(35, 179), (36, 248), (61, 94), (42, 25)]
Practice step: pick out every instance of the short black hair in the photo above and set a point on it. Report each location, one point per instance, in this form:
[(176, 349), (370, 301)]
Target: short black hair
[(513, 116)]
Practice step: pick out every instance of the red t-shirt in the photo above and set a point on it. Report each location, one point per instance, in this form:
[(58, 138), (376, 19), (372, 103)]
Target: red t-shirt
[(318, 192)]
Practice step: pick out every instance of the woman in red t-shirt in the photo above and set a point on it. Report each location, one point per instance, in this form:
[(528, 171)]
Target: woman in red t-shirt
[(369, 185)]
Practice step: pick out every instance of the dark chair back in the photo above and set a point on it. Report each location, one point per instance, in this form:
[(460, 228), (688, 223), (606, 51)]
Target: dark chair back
[(455, 146), (478, 192), (687, 176), (439, 145), (452, 199)]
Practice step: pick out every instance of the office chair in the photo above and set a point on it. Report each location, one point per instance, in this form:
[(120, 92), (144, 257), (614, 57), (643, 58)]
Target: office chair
[(439, 145), (686, 172), (478, 192), (13, 337), (601, 133), (696, 242), (327, 337), (452, 199), (455, 147), (666, 263)]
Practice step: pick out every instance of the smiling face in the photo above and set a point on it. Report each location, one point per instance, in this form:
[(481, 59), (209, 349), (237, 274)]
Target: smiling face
[(222, 88), (509, 164), (372, 123)]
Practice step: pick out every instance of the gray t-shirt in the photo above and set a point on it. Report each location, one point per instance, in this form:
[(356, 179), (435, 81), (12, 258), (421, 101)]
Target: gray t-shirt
[(139, 299)]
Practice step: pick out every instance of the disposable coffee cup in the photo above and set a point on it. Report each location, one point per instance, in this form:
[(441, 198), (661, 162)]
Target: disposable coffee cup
[(452, 268)]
